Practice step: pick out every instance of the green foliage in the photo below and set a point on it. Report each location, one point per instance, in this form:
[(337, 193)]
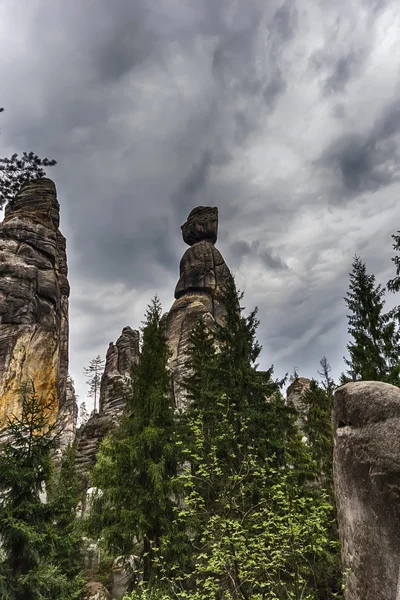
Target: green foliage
[(28, 565), (373, 353), (255, 527), (17, 170), (63, 496), (394, 284), (135, 463), (93, 374), (318, 430), (241, 517)]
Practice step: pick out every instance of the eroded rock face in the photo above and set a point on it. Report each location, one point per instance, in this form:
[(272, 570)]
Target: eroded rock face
[(295, 396), (117, 372), (68, 415), (203, 276), (201, 224), (88, 440), (34, 294), (366, 422), (114, 386)]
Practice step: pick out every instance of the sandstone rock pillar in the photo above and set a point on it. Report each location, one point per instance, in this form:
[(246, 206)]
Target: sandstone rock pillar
[(366, 420), (34, 294), (203, 276)]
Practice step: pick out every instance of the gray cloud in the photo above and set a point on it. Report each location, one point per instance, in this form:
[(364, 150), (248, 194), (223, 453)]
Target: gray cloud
[(370, 161), (282, 114)]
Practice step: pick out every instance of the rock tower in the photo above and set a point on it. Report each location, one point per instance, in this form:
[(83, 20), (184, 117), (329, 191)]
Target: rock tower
[(34, 294), (203, 276), (366, 421)]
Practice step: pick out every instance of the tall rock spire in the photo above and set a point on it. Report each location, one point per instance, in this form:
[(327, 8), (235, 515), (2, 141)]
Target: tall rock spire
[(34, 294), (203, 276)]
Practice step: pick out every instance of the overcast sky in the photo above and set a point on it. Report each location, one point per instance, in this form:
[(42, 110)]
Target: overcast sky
[(284, 115)]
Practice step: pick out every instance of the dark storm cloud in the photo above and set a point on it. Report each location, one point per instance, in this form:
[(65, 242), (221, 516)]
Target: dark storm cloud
[(272, 260), (241, 249), (285, 20), (191, 188), (341, 72), (128, 44), (367, 162)]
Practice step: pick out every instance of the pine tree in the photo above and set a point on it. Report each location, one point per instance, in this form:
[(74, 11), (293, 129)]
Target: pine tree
[(64, 495), (394, 284), (83, 414), (93, 378), (373, 355), (318, 430), (327, 382), (28, 567), (16, 170), (136, 462)]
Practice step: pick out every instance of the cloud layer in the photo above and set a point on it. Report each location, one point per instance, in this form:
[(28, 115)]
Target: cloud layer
[(284, 114)]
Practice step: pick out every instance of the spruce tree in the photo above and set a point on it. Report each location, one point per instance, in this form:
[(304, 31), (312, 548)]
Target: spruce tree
[(318, 430), (133, 510), (63, 496), (28, 565), (373, 353), (394, 284)]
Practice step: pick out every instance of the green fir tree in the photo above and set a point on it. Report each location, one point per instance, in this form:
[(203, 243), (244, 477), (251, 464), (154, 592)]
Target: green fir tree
[(28, 566), (63, 496), (133, 509), (373, 351)]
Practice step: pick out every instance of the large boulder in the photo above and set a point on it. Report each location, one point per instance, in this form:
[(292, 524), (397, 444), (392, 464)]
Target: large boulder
[(34, 294), (96, 591), (366, 420), (201, 224), (124, 570)]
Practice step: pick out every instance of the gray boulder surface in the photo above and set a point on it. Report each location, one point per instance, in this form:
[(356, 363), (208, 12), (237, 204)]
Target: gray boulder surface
[(366, 421)]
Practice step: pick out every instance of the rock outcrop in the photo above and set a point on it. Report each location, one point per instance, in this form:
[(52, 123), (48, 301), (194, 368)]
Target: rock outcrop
[(366, 420), (117, 372), (295, 396), (203, 277), (96, 591), (114, 386), (68, 415), (34, 294)]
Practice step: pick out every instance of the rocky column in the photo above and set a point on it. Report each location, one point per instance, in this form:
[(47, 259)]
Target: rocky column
[(366, 420), (115, 381), (203, 276), (34, 294), (120, 358), (295, 397)]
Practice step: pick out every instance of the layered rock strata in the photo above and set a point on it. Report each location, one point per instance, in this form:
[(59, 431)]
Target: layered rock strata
[(203, 277), (120, 358), (366, 420), (115, 381), (34, 294)]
